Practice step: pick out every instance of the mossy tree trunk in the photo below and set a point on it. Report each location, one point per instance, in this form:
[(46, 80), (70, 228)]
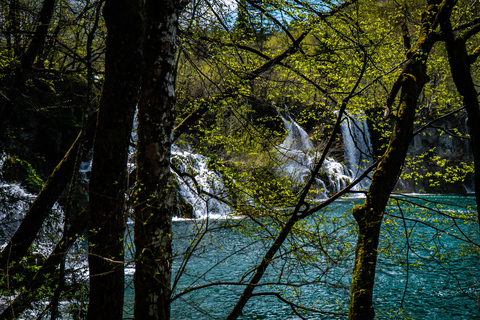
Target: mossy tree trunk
[(154, 200), (460, 62), (123, 61), (369, 215)]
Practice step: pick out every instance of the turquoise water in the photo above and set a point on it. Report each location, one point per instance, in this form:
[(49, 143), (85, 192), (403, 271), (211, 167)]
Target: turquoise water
[(428, 268)]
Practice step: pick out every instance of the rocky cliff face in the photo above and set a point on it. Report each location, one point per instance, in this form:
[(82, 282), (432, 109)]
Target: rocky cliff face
[(440, 160)]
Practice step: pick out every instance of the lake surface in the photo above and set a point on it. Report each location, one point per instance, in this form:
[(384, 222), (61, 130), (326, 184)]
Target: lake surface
[(428, 268)]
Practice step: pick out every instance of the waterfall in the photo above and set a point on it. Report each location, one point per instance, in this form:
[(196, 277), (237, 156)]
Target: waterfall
[(202, 191), (202, 187), (297, 138), (15, 200), (298, 159), (14, 203), (199, 186), (357, 147)]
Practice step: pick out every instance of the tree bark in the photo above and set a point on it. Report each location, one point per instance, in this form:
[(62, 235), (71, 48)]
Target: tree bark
[(37, 43), (123, 67), (155, 205), (460, 61), (369, 215)]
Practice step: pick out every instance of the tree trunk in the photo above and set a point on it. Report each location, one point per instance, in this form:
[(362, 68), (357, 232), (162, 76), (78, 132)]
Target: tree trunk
[(123, 63), (460, 67), (369, 215), (155, 195), (37, 43)]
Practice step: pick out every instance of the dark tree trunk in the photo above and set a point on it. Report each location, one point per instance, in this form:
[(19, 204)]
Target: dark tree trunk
[(37, 43), (123, 61), (155, 195), (460, 67), (369, 215)]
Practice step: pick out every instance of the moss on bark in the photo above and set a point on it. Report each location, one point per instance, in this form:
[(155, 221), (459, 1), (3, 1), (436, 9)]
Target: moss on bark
[(369, 215)]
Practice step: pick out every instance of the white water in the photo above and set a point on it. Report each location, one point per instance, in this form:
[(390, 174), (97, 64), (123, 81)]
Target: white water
[(357, 147), (200, 186), (203, 187), (298, 159), (15, 201)]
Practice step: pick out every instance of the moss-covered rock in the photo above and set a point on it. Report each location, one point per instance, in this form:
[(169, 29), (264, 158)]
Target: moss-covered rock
[(15, 170)]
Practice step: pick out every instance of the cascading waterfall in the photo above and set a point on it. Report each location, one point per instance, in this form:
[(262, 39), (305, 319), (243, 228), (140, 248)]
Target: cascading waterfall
[(298, 158), (203, 189), (297, 138), (357, 147), (15, 201), (199, 186)]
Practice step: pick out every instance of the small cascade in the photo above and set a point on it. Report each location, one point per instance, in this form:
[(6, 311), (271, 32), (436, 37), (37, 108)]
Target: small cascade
[(15, 202), (296, 151), (199, 186), (298, 159), (297, 138), (357, 147), (200, 189)]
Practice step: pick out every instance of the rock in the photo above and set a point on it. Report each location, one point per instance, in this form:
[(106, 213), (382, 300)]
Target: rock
[(15, 170), (439, 161)]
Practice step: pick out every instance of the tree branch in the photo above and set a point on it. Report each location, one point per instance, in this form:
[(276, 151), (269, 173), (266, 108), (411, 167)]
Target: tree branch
[(231, 90)]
